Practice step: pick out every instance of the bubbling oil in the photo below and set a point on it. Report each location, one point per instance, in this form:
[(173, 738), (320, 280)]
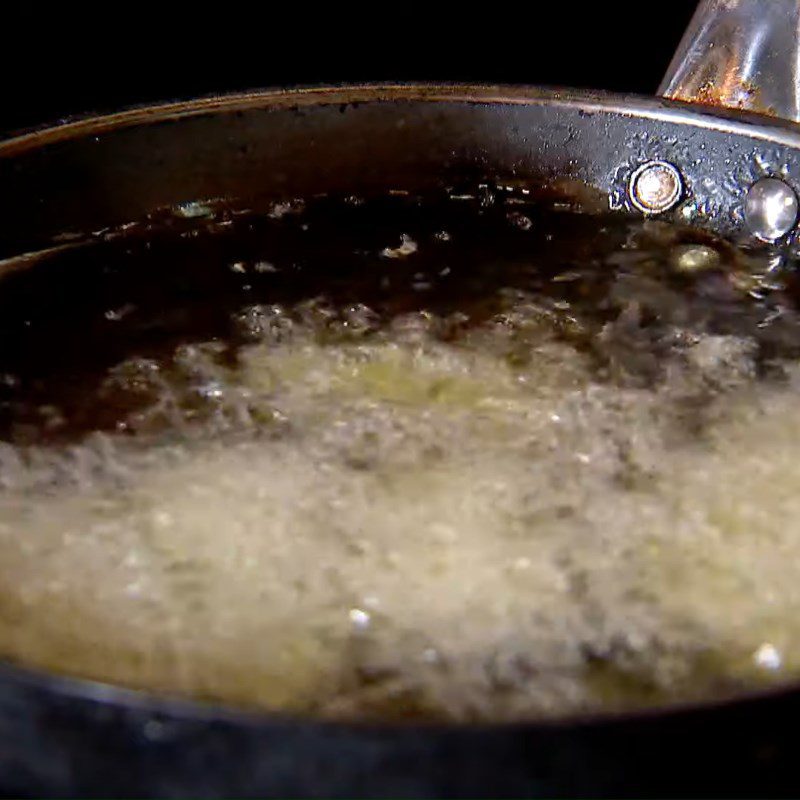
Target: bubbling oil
[(474, 457)]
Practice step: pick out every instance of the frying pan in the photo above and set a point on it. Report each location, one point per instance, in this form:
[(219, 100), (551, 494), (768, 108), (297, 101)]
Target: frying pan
[(700, 153)]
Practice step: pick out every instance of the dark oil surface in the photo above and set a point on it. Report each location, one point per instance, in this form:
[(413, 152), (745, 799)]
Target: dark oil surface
[(477, 456), (143, 291)]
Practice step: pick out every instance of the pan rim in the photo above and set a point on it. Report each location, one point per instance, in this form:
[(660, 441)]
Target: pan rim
[(736, 123), (171, 706)]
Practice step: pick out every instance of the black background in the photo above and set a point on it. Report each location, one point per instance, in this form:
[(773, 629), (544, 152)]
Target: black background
[(57, 65)]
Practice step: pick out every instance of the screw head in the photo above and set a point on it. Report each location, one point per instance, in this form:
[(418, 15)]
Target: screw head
[(655, 187), (770, 209)]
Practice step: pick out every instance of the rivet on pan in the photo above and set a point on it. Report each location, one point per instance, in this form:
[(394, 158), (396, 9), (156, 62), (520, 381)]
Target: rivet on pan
[(770, 209), (655, 187)]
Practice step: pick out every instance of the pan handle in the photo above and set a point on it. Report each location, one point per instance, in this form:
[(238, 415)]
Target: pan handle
[(740, 54)]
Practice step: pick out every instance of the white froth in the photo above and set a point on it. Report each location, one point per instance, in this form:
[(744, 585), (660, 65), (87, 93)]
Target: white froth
[(390, 524)]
